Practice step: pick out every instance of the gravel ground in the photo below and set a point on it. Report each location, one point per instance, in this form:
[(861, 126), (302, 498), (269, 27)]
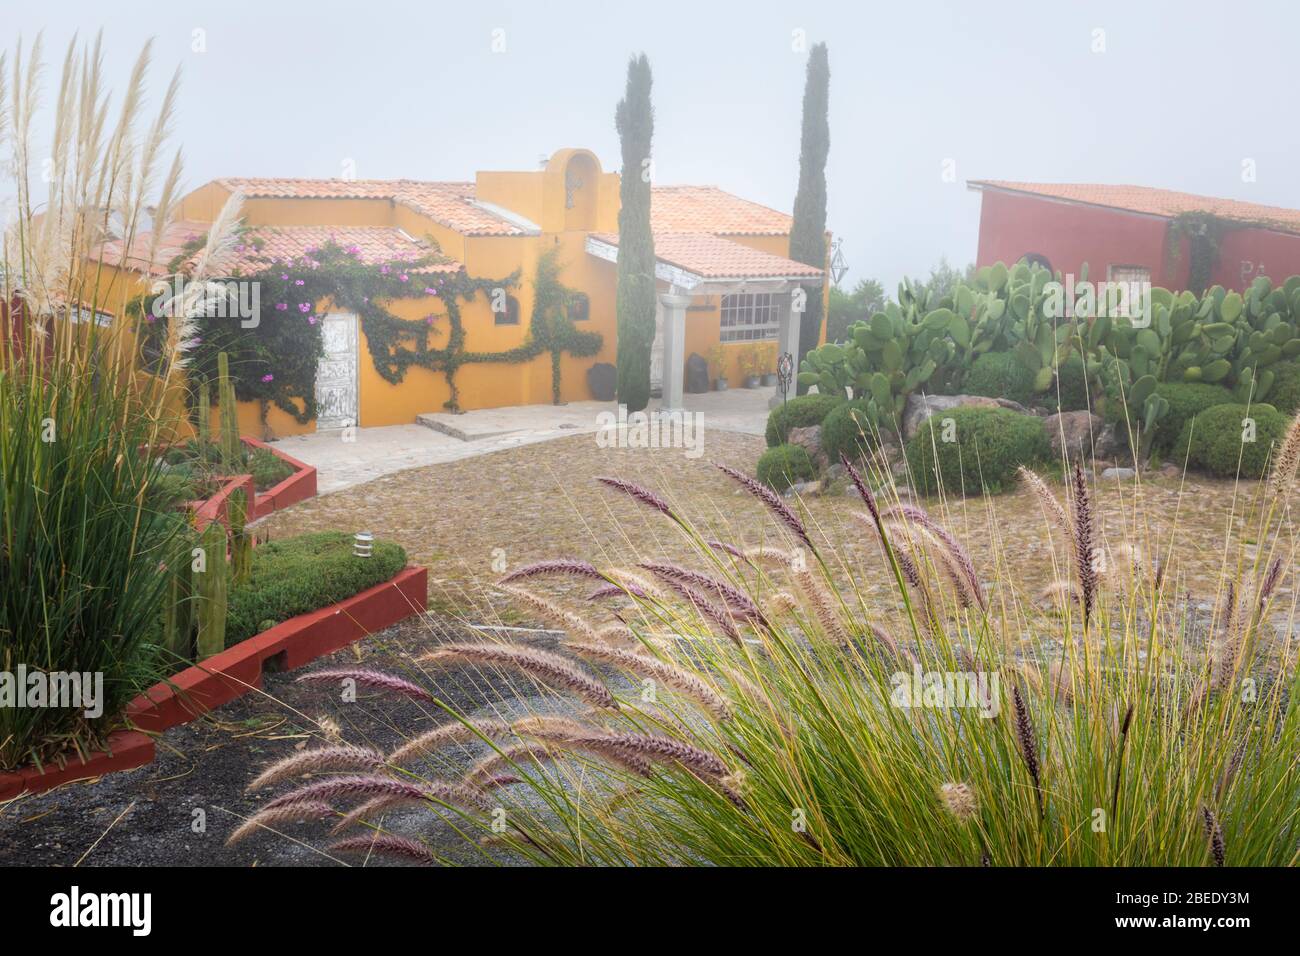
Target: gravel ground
[(147, 817)]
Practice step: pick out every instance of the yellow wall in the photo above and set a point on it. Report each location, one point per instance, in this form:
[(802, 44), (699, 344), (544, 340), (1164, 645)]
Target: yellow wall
[(539, 196)]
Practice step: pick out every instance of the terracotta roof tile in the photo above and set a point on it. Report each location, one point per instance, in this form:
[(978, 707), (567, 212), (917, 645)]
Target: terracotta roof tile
[(447, 203), (712, 257), (707, 209), (267, 244), (1154, 202), (177, 234)]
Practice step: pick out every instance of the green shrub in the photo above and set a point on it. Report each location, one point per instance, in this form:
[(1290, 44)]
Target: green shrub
[(1285, 393), (268, 469), (1215, 437), (990, 444), (1186, 401), (1000, 375), (302, 574), (800, 412), (1073, 392), (847, 430), (782, 466)]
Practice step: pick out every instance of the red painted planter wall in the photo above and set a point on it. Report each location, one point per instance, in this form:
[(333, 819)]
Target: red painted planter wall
[(1069, 235)]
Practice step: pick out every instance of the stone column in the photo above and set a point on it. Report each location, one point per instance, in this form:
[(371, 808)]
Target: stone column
[(787, 340), (674, 361)]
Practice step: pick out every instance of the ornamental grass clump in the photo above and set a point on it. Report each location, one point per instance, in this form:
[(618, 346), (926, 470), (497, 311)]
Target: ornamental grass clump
[(777, 701), (83, 524)]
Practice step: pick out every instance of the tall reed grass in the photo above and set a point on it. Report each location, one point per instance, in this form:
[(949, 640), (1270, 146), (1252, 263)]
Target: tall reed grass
[(82, 536), (757, 706)]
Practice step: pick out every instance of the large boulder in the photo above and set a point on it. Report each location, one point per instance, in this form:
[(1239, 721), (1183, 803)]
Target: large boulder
[(1073, 434), (920, 407), (697, 374), (602, 379), (810, 440)]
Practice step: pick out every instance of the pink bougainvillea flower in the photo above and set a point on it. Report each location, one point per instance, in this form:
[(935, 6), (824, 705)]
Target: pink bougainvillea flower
[(384, 270), (268, 377), (284, 276), (281, 306), (404, 277), (311, 320), (299, 281), (304, 307)]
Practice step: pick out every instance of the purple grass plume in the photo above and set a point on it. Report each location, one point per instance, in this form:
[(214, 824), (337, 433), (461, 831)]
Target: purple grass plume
[(580, 569), (641, 494), (388, 845), (551, 669), (376, 680), (773, 501)]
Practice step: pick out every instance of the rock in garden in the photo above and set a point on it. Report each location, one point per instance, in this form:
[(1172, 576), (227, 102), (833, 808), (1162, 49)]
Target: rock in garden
[(810, 439), (697, 374), (602, 379), (1121, 474), (920, 407), (1074, 433)]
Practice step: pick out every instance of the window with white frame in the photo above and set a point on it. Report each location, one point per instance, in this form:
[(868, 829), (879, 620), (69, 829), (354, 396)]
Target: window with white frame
[(748, 317), (1126, 290)]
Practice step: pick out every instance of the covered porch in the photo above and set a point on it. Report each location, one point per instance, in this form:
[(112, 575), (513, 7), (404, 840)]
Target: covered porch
[(693, 268)]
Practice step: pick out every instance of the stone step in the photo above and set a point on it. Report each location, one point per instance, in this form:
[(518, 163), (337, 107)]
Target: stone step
[(464, 427)]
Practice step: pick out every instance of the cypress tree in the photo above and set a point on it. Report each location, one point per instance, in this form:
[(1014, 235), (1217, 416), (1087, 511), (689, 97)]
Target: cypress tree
[(634, 120), (808, 232)]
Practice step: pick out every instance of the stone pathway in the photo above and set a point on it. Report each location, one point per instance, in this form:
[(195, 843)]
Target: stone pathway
[(343, 460)]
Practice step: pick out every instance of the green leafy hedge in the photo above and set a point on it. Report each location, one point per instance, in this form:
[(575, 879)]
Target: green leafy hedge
[(1285, 393), (784, 465), (306, 573), (1073, 391), (989, 444), (1000, 375), (800, 412), (1186, 401), (1215, 440), (848, 431)]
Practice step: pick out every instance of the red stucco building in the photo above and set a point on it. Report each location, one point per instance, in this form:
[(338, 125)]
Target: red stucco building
[(1132, 232)]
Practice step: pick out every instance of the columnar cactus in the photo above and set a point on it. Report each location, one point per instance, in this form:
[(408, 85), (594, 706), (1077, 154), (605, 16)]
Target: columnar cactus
[(241, 541), (211, 586), (204, 413), (178, 612), (231, 448)]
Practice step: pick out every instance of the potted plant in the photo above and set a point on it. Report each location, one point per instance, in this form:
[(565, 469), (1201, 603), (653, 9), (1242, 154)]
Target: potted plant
[(751, 362), (769, 365), (718, 361)]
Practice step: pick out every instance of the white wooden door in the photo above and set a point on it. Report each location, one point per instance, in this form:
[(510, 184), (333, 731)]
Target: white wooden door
[(336, 375)]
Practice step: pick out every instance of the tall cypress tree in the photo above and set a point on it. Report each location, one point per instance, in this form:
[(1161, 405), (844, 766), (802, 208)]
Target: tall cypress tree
[(635, 122), (808, 232)]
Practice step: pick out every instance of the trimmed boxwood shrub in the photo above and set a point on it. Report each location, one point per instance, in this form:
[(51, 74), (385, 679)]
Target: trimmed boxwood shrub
[(1000, 375), (990, 444), (1072, 385), (847, 430), (1186, 401), (306, 573), (1285, 393), (800, 412), (782, 466), (1215, 439)]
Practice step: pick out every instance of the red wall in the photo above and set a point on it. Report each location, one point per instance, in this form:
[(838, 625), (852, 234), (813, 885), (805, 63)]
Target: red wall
[(1069, 235)]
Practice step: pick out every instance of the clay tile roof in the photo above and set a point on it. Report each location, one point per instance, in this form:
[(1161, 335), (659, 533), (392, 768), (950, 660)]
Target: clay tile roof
[(1154, 202), (266, 244), (712, 257), (176, 235), (449, 204), (707, 209)]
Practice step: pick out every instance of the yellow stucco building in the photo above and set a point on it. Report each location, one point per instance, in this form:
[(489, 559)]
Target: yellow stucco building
[(722, 273)]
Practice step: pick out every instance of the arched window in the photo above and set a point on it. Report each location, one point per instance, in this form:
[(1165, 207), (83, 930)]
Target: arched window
[(1036, 259), (511, 314)]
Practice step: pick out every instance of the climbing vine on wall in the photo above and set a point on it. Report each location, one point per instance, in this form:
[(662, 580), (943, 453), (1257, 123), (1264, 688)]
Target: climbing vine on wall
[(1203, 230), (275, 360)]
